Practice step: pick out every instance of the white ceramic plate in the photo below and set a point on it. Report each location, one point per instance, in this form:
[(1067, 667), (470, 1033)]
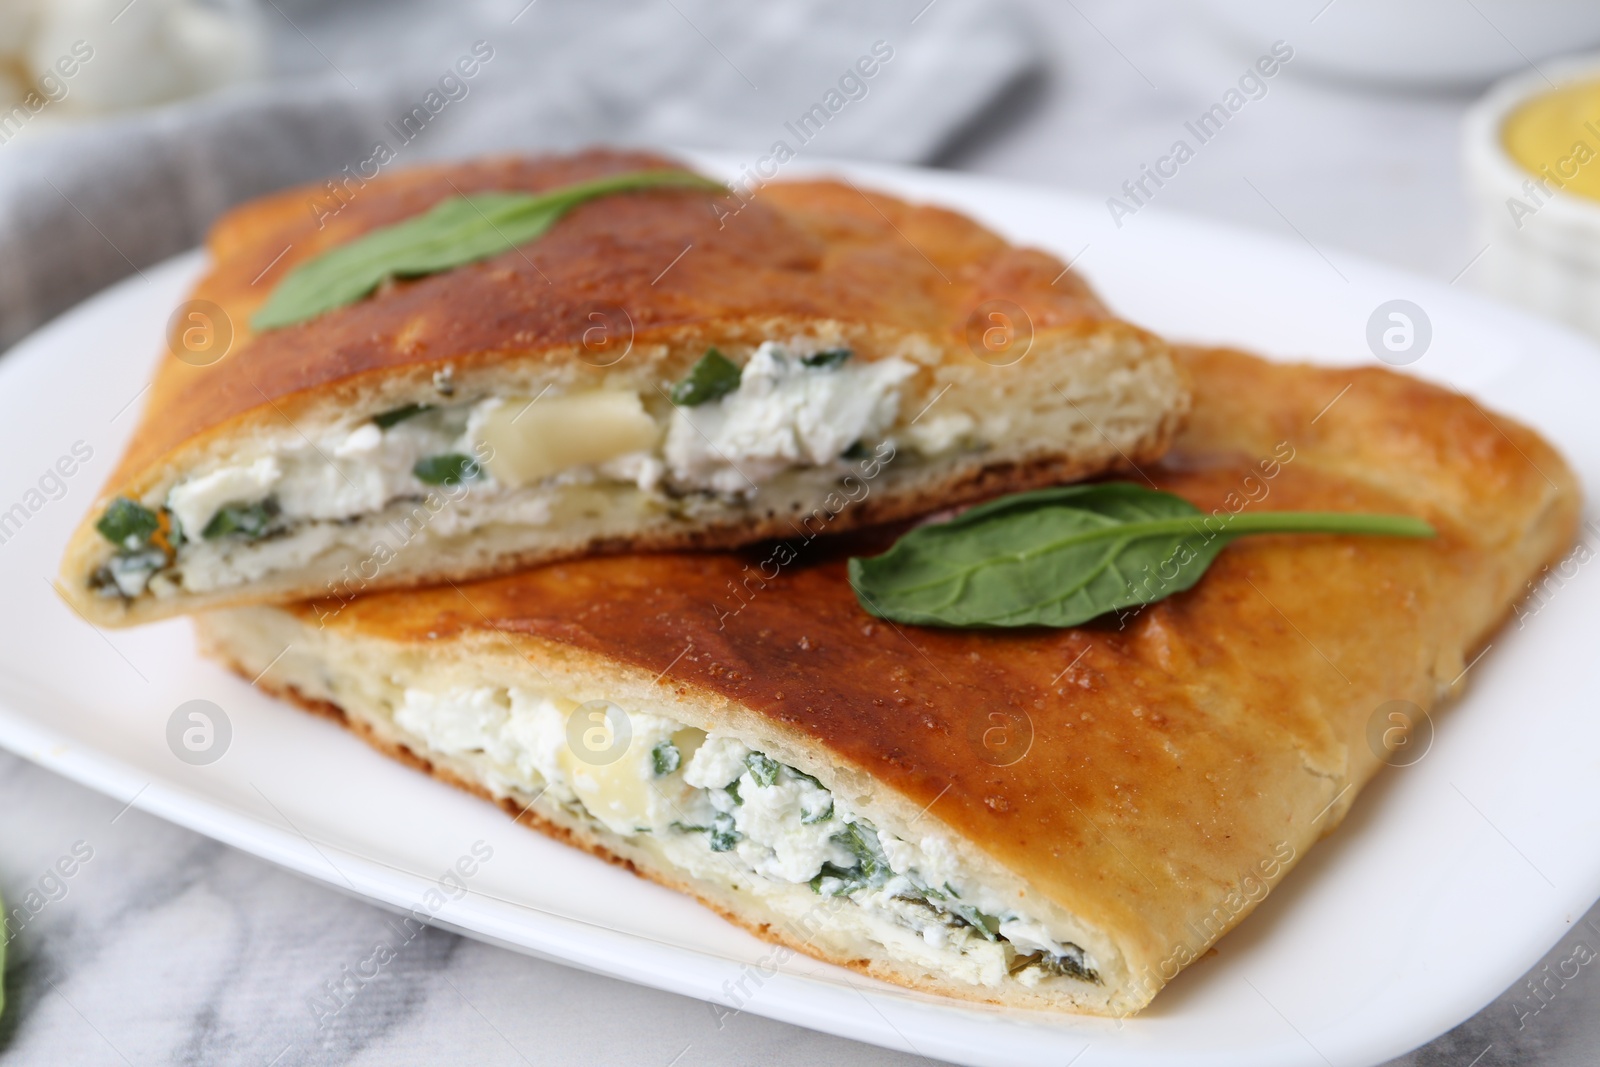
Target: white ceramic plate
[(1449, 879)]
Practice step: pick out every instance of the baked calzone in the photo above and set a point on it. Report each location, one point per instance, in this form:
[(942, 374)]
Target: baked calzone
[(1055, 819), (663, 367)]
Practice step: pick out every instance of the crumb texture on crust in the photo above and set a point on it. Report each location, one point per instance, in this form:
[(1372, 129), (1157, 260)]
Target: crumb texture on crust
[(1179, 759)]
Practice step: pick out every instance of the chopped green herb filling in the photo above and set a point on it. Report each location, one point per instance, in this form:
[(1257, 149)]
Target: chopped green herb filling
[(715, 376), (127, 573), (984, 923), (127, 524), (831, 357), (398, 415), (822, 814), (836, 881), (665, 758), (862, 841), (763, 769), (870, 871), (723, 836), (450, 469), (246, 519), (1059, 966)]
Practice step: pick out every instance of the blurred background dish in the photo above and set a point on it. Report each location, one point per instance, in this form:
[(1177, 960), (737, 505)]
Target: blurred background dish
[(1532, 153), (1420, 44), (143, 53)]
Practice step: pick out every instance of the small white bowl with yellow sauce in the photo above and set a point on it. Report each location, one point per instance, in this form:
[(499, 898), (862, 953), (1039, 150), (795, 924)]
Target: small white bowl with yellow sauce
[(1533, 173)]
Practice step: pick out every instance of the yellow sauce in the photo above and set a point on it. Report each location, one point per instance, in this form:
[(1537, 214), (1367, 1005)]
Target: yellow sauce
[(1556, 138)]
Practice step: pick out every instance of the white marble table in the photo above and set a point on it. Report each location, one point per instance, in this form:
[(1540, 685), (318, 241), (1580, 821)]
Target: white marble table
[(169, 948)]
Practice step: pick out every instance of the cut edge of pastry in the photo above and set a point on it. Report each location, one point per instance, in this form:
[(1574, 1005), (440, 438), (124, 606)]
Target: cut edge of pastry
[(359, 681), (950, 430)]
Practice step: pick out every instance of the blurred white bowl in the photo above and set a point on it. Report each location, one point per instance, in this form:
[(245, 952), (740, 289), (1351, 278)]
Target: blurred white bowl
[(1543, 252), (90, 57), (1414, 43)]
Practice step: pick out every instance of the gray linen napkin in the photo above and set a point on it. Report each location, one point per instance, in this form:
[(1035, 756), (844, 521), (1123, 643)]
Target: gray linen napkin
[(83, 206)]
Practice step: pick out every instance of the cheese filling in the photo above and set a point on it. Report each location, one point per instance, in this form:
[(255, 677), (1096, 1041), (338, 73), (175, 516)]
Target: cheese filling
[(712, 806), (518, 458), (784, 414)]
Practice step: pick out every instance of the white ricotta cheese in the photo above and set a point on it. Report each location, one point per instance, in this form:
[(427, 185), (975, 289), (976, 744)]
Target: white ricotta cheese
[(643, 469), (459, 721), (716, 763), (346, 473), (784, 414), (777, 842), (360, 471), (934, 435), (362, 442), (773, 822), (537, 734), (195, 502)]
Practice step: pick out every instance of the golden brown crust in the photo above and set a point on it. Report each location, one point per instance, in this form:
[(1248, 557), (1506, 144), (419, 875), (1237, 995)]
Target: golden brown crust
[(804, 250), (1174, 753), (797, 257)]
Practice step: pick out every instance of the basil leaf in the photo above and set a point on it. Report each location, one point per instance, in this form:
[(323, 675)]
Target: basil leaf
[(714, 377), (248, 519), (452, 468), (127, 524), (829, 358), (390, 418), (457, 231), (1060, 557)]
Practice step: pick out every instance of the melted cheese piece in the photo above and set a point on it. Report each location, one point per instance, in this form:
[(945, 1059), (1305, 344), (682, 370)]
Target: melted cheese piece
[(622, 790), (535, 438)]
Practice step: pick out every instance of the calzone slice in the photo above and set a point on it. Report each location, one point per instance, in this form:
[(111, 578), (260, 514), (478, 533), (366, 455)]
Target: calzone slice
[(661, 368), (1056, 819)]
